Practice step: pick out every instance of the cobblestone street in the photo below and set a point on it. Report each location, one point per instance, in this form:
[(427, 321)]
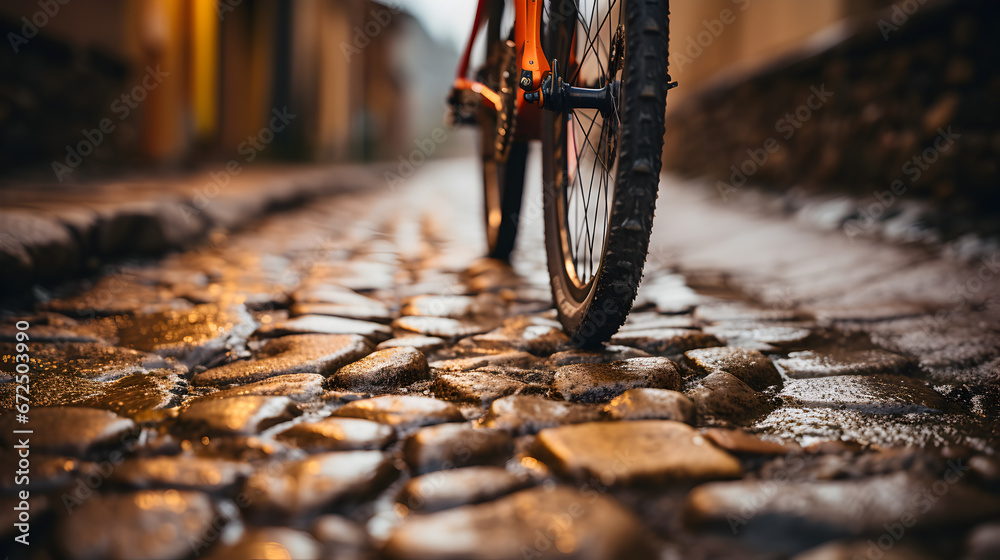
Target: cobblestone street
[(350, 380)]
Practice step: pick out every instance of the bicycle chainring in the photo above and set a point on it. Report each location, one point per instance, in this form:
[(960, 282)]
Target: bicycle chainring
[(507, 88)]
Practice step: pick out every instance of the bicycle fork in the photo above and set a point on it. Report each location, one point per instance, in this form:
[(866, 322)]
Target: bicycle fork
[(540, 83)]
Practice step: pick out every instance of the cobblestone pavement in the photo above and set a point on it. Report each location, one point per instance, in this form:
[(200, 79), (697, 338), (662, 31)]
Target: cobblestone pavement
[(350, 380)]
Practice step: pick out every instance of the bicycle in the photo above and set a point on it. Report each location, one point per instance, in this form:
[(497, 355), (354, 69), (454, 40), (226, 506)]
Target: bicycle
[(597, 103)]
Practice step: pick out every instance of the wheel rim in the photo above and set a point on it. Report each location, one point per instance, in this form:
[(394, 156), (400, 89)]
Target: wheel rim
[(591, 139)]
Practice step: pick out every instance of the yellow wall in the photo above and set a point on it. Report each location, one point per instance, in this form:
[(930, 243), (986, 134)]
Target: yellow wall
[(204, 67), (160, 28)]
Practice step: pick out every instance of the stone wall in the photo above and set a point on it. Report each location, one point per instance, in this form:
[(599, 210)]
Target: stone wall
[(912, 110)]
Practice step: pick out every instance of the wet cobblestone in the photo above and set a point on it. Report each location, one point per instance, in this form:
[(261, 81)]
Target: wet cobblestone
[(319, 386)]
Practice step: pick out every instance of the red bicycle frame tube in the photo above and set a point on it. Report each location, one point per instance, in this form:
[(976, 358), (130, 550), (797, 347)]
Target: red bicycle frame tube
[(481, 11), (528, 39), (530, 56)]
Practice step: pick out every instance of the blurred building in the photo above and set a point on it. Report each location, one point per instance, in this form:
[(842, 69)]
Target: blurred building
[(895, 109), (713, 39), (187, 81), (362, 79)]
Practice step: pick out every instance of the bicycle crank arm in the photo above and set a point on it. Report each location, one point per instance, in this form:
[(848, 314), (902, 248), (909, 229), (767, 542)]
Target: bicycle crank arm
[(465, 100)]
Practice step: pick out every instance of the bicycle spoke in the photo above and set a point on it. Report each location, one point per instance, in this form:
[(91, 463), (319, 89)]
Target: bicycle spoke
[(602, 184), (576, 181), (604, 47), (581, 223), (590, 189), (589, 119), (586, 37), (593, 40), (588, 193), (595, 193)]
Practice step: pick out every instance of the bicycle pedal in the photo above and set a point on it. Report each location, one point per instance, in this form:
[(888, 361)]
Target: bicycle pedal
[(462, 108), (453, 118)]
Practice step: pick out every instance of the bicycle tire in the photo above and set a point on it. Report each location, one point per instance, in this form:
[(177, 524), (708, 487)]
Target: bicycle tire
[(503, 186), (503, 179), (591, 309)]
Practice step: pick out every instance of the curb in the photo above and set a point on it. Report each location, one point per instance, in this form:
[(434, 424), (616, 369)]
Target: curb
[(53, 233)]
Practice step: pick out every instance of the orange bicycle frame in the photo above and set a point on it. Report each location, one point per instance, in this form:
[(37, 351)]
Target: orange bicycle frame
[(528, 36), (531, 59)]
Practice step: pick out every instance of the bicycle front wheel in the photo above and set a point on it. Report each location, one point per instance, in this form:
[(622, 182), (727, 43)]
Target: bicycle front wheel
[(601, 168)]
